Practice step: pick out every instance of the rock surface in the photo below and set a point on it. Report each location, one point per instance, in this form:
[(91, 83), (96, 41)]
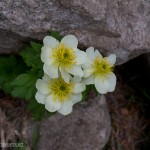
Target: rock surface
[(118, 26), (86, 128)]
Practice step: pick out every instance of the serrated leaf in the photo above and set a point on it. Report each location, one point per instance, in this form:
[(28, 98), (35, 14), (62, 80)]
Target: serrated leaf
[(32, 55), (24, 86), (21, 80), (36, 46), (10, 67)]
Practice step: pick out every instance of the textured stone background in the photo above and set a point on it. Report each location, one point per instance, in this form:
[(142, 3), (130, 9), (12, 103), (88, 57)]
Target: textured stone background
[(118, 26), (113, 26), (86, 128)]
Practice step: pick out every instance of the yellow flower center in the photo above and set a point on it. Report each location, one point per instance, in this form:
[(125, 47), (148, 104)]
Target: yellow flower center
[(64, 56), (101, 67), (60, 89)]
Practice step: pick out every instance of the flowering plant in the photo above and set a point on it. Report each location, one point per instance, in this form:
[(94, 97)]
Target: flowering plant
[(55, 75)]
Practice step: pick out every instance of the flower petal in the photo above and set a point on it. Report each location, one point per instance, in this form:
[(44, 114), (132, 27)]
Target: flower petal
[(50, 41), (112, 82), (90, 52), (51, 71), (66, 107), (75, 70), (89, 80), (81, 57), (111, 59), (97, 53), (101, 85), (87, 65), (79, 87), (46, 78), (51, 104), (42, 86), (70, 41), (76, 79), (88, 72), (40, 97), (65, 75), (76, 98), (45, 55)]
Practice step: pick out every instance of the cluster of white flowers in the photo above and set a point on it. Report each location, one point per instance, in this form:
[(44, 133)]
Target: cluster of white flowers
[(67, 70)]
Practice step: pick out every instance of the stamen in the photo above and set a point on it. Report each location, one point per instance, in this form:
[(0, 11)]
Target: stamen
[(61, 89), (64, 56), (101, 67)]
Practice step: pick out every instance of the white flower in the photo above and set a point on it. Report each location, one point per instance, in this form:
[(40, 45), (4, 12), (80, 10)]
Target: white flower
[(98, 71), (63, 57), (57, 95)]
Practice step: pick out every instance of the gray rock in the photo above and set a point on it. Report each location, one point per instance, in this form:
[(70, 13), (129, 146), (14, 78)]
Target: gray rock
[(86, 128), (118, 26)]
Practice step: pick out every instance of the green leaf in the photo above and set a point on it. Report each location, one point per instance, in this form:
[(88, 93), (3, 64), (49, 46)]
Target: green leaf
[(32, 55), (10, 67), (35, 136), (24, 86), (85, 93), (36, 46), (56, 35), (37, 109)]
